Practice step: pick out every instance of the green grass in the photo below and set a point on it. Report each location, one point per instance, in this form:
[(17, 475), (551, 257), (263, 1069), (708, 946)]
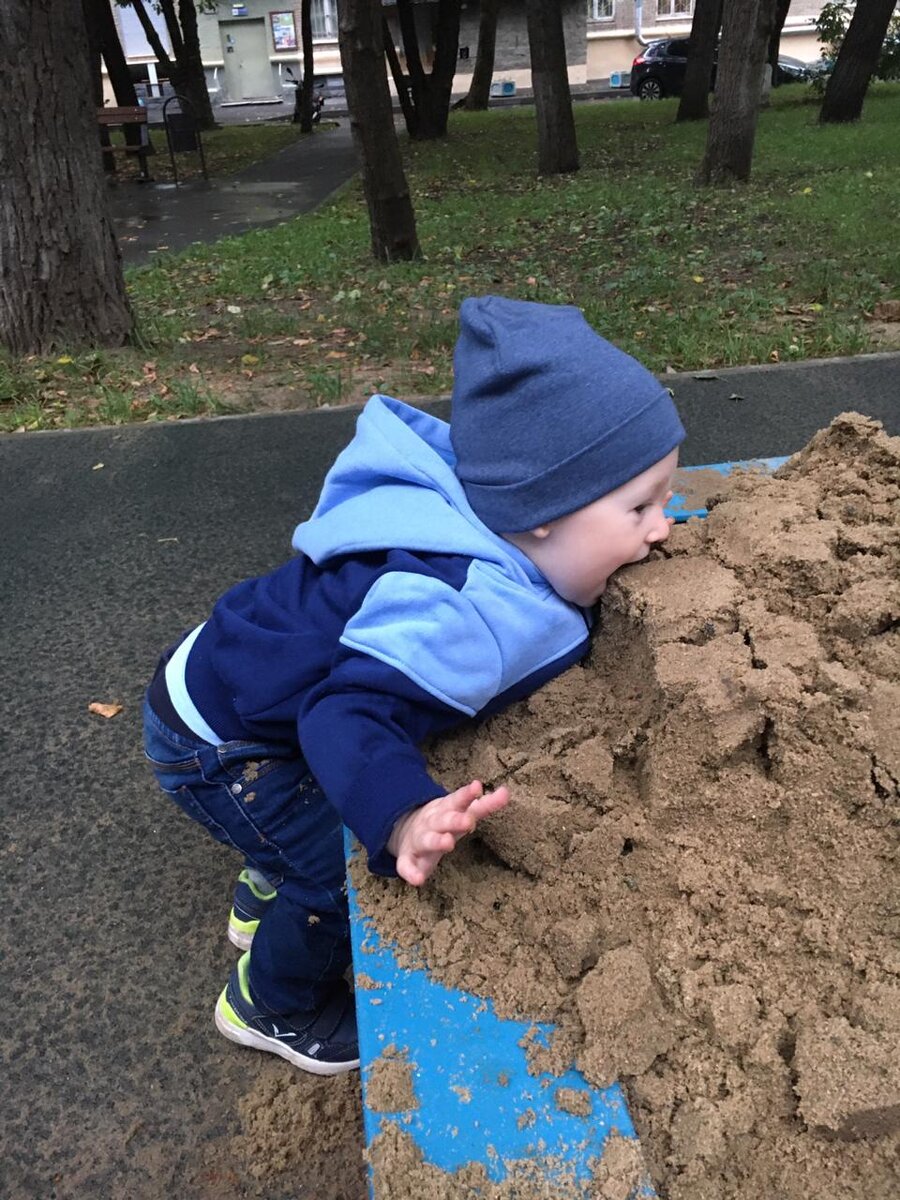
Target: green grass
[(788, 267)]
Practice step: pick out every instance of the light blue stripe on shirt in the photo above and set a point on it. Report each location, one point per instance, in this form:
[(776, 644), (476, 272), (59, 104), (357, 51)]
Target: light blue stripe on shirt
[(178, 693)]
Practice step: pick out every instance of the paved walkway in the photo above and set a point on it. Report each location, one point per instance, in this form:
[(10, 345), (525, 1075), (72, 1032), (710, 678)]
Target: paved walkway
[(151, 219)]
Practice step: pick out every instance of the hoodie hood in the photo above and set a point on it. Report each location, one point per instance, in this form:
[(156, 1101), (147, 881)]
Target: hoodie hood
[(395, 487)]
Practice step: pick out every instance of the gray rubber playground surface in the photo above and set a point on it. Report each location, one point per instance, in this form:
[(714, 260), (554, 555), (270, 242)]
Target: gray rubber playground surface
[(115, 1083)]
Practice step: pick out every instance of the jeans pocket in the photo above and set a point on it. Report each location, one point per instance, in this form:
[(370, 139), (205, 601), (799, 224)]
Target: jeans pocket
[(246, 763)]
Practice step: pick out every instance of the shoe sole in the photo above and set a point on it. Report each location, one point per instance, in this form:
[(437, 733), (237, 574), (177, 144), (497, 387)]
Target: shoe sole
[(244, 1036), (238, 938)]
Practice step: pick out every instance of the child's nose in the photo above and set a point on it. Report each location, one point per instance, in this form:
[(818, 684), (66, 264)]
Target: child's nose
[(659, 531)]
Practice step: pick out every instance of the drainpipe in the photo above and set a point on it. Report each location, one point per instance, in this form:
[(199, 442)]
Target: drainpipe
[(638, 15)]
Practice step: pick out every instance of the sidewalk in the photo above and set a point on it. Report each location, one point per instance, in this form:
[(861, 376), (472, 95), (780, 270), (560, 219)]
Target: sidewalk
[(151, 219)]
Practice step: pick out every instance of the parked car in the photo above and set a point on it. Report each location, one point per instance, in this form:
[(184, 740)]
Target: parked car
[(659, 69)]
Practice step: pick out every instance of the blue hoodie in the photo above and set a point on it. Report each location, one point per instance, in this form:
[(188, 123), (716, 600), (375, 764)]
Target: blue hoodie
[(402, 616)]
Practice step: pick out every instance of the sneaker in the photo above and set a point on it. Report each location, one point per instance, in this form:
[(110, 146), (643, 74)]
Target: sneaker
[(248, 906), (323, 1041)]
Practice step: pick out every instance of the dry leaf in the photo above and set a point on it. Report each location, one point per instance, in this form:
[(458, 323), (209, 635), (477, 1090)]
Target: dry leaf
[(105, 710), (887, 310)]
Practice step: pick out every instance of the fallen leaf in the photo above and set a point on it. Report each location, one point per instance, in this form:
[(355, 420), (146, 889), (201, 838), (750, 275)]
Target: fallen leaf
[(249, 360), (705, 376), (301, 342), (698, 278), (64, 358), (887, 310), (735, 396), (105, 710), (234, 309), (97, 466), (774, 356)]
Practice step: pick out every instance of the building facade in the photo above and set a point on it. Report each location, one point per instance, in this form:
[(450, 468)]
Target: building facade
[(248, 47)]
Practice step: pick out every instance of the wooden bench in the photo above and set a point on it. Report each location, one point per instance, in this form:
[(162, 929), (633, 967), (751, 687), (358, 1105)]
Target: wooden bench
[(126, 117)]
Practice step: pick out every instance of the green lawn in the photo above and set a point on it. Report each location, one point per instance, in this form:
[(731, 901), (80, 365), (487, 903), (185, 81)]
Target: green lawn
[(791, 266)]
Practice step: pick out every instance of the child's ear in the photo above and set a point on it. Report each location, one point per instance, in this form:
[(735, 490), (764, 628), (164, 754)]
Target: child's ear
[(541, 532)]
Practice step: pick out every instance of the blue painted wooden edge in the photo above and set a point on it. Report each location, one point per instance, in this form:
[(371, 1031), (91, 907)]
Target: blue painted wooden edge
[(680, 507), (476, 1101)]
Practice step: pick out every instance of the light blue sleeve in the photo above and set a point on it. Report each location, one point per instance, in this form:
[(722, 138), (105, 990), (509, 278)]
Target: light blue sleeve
[(466, 646), (433, 634)]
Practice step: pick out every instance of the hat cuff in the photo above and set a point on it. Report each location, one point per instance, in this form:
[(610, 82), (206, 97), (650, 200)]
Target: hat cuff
[(621, 454)]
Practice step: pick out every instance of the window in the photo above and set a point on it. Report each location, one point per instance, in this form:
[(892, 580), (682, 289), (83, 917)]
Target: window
[(601, 10), (324, 20), (674, 8)]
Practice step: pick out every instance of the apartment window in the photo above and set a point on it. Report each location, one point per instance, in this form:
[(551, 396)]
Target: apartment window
[(674, 8), (324, 20), (601, 10)]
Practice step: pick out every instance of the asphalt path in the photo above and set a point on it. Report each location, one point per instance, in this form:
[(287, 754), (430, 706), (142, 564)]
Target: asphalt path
[(115, 1083), (153, 219)]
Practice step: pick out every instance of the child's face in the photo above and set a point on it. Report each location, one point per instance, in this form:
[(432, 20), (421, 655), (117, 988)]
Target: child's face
[(578, 552)]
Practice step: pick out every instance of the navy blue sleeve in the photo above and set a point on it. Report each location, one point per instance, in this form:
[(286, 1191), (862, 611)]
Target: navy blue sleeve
[(359, 731)]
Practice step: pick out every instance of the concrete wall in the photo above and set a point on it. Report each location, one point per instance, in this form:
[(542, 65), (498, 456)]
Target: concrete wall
[(512, 58)]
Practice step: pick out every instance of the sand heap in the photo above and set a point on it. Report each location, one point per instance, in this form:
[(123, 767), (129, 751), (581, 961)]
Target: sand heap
[(697, 879)]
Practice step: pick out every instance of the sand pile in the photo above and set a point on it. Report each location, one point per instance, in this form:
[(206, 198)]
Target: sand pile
[(697, 879)]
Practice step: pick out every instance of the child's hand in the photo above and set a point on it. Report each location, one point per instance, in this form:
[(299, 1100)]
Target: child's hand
[(423, 836)]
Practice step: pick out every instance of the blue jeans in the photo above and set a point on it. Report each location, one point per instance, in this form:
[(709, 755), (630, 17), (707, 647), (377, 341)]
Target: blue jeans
[(262, 800)]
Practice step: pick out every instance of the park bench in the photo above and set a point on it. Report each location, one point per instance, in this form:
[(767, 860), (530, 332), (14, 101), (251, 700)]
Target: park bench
[(127, 117)]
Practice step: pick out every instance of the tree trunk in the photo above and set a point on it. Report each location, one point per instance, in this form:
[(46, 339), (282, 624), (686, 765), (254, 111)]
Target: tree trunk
[(60, 269), (306, 87), (391, 217), (781, 12), (195, 88), (857, 61), (694, 102), (401, 81), (102, 28), (185, 70), (557, 145), (430, 91), (95, 70), (480, 87), (746, 27)]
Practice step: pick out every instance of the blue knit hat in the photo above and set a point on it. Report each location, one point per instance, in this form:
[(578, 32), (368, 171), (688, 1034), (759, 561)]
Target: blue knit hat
[(547, 416)]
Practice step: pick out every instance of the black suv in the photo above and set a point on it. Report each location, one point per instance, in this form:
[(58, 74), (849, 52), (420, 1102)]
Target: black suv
[(659, 69)]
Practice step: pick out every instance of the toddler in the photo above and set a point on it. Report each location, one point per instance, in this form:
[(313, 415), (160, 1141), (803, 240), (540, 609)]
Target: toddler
[(447, 571)]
